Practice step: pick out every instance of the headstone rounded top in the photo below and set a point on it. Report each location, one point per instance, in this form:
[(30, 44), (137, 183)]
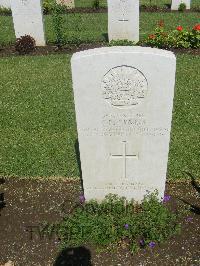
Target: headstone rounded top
[(123, 49)]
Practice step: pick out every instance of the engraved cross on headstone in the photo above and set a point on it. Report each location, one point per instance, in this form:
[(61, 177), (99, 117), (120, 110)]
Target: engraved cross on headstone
[(124, 156), (123, 8)]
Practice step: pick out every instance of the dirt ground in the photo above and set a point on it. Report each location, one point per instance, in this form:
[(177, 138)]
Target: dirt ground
[(9, 50), (26, 203)]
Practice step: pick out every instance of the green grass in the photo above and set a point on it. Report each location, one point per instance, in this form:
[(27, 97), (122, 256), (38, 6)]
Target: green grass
[(37, 117), (37, 120), (185, 141), (103, 3), (7, 33), (93, 27)]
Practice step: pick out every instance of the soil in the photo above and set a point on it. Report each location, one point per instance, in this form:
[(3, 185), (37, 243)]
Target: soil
[(166, 8), (50, 49), (69, 49), (26, 203), (143, 8)]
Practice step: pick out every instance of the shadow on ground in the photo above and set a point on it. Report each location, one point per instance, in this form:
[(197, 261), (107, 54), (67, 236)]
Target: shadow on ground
[(167, 6), (2, 201), (79, 256), (193, 208), (77, 151)]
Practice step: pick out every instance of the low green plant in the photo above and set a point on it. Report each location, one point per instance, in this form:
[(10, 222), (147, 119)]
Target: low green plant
[(5, 11), (180, 38), (121, 43), (159, 38), (195, 36), (25, 44), (182, 7), (58, 22), (96, 4), (115, 219), (48, 6)]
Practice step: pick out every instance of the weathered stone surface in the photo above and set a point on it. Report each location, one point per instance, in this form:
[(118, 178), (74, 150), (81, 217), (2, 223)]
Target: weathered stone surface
[(68, 3), (9, 263), (123, 101), (5, 3), (175, 4), (28, 19), (123, 20)]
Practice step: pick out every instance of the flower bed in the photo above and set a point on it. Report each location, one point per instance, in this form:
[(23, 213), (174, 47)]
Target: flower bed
[(178, 38)]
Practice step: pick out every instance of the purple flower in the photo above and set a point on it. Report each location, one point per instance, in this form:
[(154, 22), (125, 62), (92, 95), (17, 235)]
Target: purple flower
[(126, 226), (152, 244), (166, 198), (82, 199), (189, 219), (142, 243)]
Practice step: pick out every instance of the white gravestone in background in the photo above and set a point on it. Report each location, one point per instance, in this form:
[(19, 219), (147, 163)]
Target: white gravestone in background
[(68, 3), (123, 20), (28, 19), (176, 3), (5, 3), (123, 101)]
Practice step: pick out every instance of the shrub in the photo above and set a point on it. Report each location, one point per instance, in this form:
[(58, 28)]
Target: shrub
[(5, 11), (178, 38), (116, 219), (121, 43), (96, 4), (182, 7), (58, 22), (182, 38), (25, 44), (48, 6), (195, 36), (159, 38)]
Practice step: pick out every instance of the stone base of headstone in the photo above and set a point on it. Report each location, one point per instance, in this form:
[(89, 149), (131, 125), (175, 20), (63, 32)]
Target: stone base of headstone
[(176, 3), (68, 3)]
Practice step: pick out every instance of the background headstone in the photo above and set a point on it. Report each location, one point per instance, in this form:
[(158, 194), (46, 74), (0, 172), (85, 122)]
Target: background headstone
[(5, 3), (123, 20), (123, 102), (28, 19), (68, 3), (176, 3)]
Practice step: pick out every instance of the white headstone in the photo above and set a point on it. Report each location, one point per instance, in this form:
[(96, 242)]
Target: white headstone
[(28, 19), (176, 3), (123, 20), (123, 102), (5, 3), (68, 3)]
